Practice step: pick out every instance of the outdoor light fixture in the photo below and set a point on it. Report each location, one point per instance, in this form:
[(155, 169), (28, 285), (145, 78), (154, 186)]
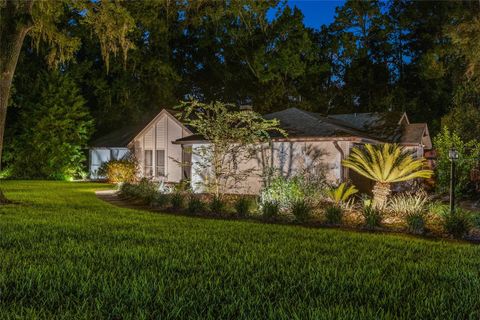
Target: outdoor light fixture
[(453, 156)]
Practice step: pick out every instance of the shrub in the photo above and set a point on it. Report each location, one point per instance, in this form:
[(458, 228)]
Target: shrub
[(373, 216), (301, 209), (406, 204), (117, 171), (146, 191), (476, 220), (53, 127), (243, 206), (160, 200), (334, 214), (415, 222), (176, 201), (195, 205), (341, 195), (459, 223), (270, 209), (468, 152), (413, 208), (283, 192), (217, 205)]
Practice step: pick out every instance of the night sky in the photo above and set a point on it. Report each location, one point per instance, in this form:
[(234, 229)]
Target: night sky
[(317, 12)]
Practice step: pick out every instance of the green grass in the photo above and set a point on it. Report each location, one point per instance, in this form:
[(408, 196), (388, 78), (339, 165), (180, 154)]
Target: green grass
[(65, 254)]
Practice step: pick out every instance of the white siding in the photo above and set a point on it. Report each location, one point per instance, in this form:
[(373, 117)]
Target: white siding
[(173, 151), (289, 158), (159, 135)]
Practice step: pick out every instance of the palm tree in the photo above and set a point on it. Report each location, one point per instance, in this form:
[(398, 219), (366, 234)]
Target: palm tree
[(386, 164)]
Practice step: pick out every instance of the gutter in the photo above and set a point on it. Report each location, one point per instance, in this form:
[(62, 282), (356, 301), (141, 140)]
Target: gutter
[(342, 157)]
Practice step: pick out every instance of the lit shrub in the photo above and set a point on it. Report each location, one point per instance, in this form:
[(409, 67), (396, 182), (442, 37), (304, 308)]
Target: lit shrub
[(458, 223), (217, 205), (243, 206), (334, 214), (270, 209), (341, 195), (406, 204), (285, 191), (195, 205), (301, 209), (117, 171), (412, 208)]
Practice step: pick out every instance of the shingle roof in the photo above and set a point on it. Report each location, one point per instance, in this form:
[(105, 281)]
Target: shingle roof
[(118, 138), (122, 137), (382, 125), (299, 123), (378, 126), (413, 133)]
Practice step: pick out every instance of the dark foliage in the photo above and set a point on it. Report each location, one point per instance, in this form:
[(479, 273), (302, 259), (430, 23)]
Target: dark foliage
[(301, 209), (243, 206), (195, 205), (458, 224), (373, 217), (334, 214)]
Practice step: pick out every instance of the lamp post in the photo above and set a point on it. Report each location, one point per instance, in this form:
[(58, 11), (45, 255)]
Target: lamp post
[(453, 156)]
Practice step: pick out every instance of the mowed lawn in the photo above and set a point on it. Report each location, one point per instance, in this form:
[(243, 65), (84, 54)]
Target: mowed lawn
[(66, 254)]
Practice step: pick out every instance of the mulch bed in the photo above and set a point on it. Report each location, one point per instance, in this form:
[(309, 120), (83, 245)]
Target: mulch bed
[(352, 221)]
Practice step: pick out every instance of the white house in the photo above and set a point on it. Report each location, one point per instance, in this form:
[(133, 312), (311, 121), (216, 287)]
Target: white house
[(314, 142), (152, 144)]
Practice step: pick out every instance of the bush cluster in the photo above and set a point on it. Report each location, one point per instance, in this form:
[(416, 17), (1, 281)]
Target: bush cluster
[(119, 171), (414, 209)]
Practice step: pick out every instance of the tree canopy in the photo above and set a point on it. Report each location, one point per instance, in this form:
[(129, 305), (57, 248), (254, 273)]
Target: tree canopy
[(131, 58)]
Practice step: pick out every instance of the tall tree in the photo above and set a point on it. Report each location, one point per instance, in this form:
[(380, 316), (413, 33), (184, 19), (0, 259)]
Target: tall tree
[(108, 21)]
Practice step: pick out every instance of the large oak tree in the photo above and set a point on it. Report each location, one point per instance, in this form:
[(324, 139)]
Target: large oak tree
[(108, 21)]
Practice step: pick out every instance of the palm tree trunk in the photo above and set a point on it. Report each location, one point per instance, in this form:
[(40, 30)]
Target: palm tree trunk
[(381, 193)]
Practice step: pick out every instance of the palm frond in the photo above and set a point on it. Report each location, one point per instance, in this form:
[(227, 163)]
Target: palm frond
[(387, 163)]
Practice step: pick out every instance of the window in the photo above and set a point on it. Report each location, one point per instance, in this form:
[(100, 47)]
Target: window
[(160, 160), (148, 168)]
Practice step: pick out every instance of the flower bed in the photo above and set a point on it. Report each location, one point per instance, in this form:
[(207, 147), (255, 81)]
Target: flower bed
[(406, 213)]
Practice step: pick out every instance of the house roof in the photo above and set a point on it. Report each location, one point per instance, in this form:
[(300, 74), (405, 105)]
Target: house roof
[(382, 125), (122, 137), (299, 123), (413, 133), (118, 138), (374, 126)]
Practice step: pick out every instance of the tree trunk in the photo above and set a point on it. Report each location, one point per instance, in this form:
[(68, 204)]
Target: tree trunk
[(381, 193), (15, 22)]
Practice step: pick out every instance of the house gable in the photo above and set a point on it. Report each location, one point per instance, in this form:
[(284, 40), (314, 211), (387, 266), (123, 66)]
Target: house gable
[(157, 156), (155, 121)]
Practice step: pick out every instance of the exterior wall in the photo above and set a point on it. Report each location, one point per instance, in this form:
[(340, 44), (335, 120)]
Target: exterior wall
[(98, 156), (290, 158), (159, 135)]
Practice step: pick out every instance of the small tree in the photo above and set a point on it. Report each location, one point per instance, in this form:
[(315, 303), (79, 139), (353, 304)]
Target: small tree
[(231, 136), (469, 154), (53, 131), (385, 165)]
